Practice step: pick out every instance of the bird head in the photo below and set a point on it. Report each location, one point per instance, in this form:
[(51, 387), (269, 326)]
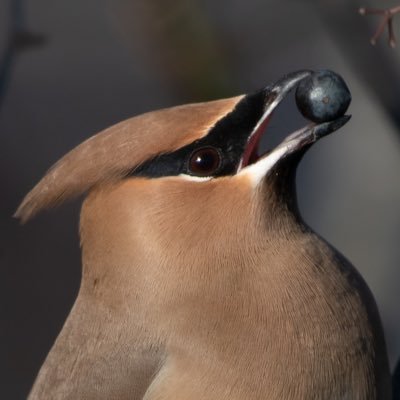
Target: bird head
[(186, 177)]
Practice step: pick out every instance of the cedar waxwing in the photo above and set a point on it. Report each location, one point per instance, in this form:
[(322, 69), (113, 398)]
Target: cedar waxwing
[(200, 279)]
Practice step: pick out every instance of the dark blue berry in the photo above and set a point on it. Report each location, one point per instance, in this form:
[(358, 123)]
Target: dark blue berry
[(323, 96)]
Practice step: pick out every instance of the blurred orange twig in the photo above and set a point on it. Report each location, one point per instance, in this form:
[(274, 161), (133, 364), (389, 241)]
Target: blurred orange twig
[(386, 19)]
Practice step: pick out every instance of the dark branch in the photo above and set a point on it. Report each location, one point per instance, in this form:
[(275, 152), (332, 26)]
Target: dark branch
[(19, 38)]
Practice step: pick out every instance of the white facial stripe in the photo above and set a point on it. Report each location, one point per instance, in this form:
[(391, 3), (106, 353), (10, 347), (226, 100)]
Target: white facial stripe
[(195, 178), (257, 171)]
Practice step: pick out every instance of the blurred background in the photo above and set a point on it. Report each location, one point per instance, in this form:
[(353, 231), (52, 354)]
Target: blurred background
[(69, 69)]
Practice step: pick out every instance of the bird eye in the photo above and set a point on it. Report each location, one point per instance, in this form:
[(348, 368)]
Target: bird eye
[(204, 161)]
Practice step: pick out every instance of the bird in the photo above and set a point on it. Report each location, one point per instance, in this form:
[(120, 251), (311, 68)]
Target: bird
[(200, 278)]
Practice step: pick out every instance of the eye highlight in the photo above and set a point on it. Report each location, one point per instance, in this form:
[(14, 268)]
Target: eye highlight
[(204, 161)]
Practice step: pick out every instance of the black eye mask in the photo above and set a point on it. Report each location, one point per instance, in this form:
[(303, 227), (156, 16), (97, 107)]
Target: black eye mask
[(229, 137), (321, 96)]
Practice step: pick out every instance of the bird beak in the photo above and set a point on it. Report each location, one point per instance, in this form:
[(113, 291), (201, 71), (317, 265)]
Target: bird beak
[(294, 142)]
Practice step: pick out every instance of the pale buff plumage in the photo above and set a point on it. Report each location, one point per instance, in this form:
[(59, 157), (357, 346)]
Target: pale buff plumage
[(201, 290), (110, 154)]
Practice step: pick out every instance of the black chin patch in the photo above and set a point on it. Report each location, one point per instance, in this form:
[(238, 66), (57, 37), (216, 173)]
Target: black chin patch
[(229, 136)]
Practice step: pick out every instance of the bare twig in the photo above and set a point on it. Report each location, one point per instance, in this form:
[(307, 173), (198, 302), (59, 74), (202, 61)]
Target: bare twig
[(386, 19), (19, 38)]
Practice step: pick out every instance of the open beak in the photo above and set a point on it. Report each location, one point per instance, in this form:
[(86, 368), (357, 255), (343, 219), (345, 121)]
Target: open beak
[(295, 141)]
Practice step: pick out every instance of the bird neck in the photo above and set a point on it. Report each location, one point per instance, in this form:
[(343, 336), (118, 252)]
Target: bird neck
[(278, 198)]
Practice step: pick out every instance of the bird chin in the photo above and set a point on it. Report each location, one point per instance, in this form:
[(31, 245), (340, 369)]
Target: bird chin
[(258, 166)]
